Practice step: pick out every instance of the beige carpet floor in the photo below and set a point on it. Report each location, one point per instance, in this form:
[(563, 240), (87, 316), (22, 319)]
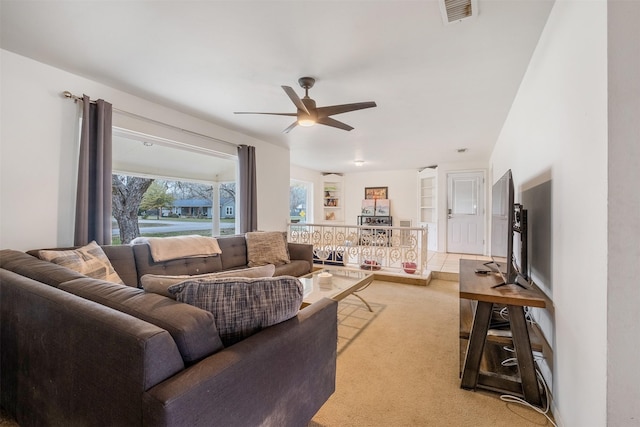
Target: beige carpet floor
[(399, 365)]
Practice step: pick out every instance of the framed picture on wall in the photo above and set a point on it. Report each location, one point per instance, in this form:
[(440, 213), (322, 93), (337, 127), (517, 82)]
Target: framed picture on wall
[(376, 193)]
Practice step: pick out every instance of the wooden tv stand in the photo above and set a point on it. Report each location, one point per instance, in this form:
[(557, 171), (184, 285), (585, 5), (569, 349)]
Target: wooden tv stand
[(478, 297)]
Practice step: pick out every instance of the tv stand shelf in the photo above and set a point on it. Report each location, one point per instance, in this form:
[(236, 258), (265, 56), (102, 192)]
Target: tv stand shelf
[(480, 368)]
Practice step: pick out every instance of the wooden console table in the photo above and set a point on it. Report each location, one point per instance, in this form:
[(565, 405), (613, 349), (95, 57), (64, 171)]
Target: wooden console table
[(479, 288)]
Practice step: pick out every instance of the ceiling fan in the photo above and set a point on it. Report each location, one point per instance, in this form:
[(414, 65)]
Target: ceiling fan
[(308, 114)]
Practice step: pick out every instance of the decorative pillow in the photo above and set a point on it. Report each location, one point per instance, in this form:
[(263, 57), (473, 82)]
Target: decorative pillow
[(89, 260), (267, 247), (159, 284), (241, 306)]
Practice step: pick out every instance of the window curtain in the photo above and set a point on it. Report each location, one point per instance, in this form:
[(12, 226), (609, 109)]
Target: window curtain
[(248, 195), (93, 198)]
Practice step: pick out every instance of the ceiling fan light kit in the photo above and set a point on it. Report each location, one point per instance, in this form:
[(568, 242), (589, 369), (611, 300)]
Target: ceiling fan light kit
[(308, 114), (306, 122)]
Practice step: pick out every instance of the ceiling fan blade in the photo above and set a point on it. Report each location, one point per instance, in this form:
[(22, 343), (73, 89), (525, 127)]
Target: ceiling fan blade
[(343, 108), (271, 114), (291, 126), (328, 121), (295, 98)]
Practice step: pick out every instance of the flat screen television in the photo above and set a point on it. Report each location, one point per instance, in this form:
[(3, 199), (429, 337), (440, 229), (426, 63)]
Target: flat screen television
[(502, 220)]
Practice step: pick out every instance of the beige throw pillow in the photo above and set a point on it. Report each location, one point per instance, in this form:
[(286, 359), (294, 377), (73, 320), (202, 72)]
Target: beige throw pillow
[(267, 247), (89, 260), (158, 284)]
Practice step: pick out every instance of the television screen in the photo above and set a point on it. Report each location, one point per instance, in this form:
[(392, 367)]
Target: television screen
[(502, 199)]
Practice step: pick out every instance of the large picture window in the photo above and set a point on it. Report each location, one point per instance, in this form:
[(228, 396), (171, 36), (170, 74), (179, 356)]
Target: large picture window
[(162, 188)]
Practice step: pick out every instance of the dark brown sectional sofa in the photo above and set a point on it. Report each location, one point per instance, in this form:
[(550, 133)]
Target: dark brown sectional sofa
[(77, 351)]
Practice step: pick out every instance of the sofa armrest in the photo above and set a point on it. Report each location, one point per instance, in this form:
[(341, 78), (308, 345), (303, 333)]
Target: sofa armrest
[(279, 376), (301, 251)]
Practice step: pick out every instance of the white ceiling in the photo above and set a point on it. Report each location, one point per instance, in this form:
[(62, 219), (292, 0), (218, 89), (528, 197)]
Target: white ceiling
[(438, 87)]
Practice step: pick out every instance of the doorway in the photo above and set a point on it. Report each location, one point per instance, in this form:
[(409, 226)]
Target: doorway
[(465, 212)]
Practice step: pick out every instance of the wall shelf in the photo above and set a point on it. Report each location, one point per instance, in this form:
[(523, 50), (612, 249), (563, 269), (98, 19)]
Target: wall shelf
[(332, 198)]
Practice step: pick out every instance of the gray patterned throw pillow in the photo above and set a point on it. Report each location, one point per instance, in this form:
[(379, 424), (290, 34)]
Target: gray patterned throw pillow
[(243, 306)]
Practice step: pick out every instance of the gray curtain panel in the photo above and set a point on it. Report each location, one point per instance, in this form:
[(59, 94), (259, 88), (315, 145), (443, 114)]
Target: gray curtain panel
[(93, 198), (248, 191)]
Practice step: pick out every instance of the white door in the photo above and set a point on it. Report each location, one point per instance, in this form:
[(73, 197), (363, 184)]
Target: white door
[(465, 219)]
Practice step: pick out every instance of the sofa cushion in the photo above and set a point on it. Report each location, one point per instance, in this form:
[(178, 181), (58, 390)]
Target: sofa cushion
[(190, 266), (36, 268), (123, 262), (243, 306), (234, 251), (295, 268), (89, 260), (267, 247), (193, 330), (159, 284)]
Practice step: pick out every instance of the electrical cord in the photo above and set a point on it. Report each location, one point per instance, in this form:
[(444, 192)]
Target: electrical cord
[(512, 361)]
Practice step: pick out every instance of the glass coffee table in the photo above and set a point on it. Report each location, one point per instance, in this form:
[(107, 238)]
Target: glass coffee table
[(341, 284)]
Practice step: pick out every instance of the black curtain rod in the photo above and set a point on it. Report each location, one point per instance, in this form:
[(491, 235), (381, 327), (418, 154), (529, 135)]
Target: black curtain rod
[(76, 98)]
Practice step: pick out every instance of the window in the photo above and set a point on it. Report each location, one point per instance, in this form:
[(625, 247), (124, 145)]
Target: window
[(300, 205), (163, 188)]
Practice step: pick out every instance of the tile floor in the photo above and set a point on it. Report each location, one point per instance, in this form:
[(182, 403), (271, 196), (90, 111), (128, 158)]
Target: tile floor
[(449, 263)]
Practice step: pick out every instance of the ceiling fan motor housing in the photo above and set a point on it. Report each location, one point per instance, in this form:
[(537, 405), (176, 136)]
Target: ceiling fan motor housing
[(306, 82)]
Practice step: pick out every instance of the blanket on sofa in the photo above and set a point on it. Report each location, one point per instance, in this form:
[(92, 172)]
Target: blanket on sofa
[(168, 248)]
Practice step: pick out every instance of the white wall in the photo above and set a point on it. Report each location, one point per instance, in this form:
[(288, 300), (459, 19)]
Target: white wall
[(38, 152), (403, 193), (557, 127), (402, 188), (623, 299)]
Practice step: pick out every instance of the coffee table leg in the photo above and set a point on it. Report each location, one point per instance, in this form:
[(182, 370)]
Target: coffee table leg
[(362, 299), (365, 286)]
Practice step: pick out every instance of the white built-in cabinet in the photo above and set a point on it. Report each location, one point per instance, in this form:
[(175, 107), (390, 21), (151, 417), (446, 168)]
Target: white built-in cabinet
[(427, 205), (332, 198)]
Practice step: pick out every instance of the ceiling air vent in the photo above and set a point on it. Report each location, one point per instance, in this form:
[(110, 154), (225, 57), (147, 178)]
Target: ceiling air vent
[(457, 10)]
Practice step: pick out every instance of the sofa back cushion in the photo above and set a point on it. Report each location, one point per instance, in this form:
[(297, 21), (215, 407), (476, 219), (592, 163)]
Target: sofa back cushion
[(234, 251), (193, 329), (124, 263), (34, 268), (159, 284), (189, 266)]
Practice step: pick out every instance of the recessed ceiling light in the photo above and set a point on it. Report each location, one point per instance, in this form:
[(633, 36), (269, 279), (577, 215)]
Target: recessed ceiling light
[(358, 163)]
